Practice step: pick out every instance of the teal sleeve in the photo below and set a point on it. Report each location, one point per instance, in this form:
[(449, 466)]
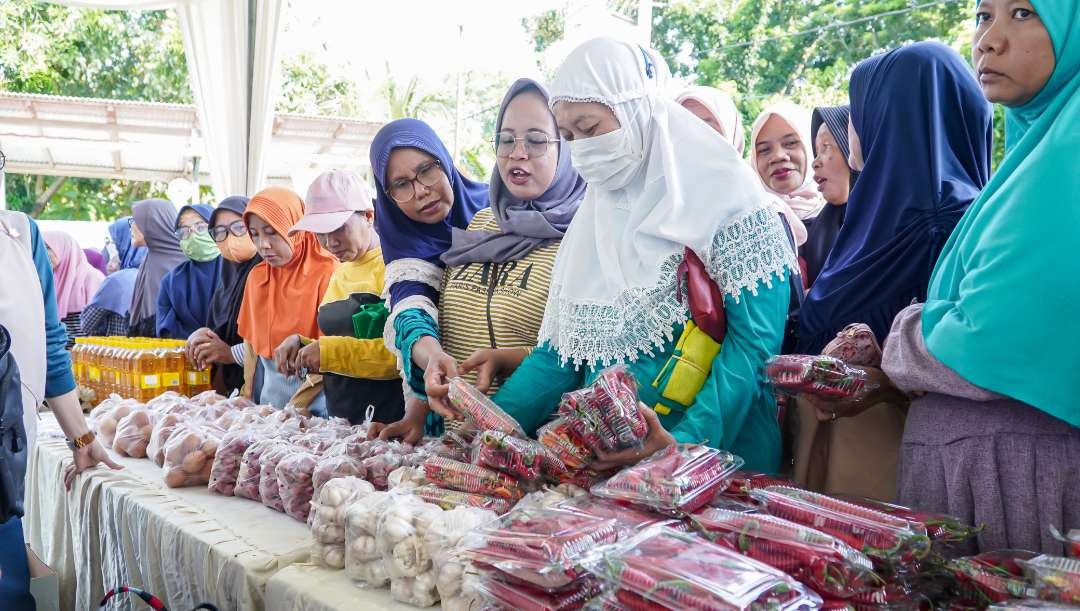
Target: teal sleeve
[(533, 392), (58, 378), (734, 411), (409, 327)]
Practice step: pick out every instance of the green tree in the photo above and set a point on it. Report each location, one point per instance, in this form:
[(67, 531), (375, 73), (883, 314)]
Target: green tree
[(545, 29), (309, 88), (412, 99)]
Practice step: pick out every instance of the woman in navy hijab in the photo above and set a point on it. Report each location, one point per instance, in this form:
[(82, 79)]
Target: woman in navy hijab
[(186, 291), (922, 139)]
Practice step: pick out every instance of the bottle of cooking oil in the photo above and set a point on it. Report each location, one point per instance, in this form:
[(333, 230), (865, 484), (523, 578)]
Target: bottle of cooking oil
[(147, 374), (93, 369), (173, 370), (197, 380), (77, 367)]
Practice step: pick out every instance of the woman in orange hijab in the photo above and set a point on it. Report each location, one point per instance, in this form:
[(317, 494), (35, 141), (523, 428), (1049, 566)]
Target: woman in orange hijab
[(282, 295)]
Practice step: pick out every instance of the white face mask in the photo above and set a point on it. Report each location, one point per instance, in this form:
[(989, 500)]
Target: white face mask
[(607, 161)]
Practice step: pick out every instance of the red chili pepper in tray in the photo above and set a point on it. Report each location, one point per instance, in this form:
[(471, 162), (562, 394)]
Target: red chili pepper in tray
[(991, 577), (522, 597), (464, 477), (821, 561), (479, 409), (824, 376), (880, 536), (559, 438), (941, 528), (677, 480), (606, 414), (1055, 579), (524, 459), (742, 483)]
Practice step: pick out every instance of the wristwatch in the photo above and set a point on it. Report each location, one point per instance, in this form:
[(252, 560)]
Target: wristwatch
[(81, 442)]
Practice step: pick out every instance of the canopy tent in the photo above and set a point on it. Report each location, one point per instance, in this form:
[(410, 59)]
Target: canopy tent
[(96, 138), (231, 49)]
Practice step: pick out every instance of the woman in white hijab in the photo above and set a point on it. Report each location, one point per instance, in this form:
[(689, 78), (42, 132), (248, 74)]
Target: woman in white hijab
[(614, 296), (717, 109), (781, 155)]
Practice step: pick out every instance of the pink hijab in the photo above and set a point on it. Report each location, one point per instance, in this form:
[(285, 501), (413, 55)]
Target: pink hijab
[(806, 201), (76, 280)]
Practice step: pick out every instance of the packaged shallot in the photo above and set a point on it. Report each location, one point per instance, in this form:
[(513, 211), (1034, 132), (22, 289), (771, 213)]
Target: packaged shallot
[(677, 480), (189, 455), (247, 479), (208, 397), (363, 560), (328, 519), (661, 568), (454, 576), (159, 436), (294, 483), (107, 415), (269, 491), (333, 465), (400, 538), (133, 433), (230, 455)]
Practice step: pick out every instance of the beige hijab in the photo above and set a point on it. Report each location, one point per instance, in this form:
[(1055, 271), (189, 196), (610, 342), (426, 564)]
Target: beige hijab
[(722, 107), (806, 201)]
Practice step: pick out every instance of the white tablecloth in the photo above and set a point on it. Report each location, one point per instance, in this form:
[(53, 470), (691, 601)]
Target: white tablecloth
[(305, 587), (125, 527)]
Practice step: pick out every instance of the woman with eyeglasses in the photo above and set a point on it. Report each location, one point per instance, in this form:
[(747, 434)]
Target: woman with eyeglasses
[(420, 199), (357, 368), (184, 300), (218, 344), (153, 225), (499, 270), (281, 298)]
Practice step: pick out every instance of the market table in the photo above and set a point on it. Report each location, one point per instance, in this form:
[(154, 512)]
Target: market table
[(185, 545), (306, 587)]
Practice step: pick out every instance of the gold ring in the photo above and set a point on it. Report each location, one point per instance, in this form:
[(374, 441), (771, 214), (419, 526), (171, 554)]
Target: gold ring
[(833, 417)]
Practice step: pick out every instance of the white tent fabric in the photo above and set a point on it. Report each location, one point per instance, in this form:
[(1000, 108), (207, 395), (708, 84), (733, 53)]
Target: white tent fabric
[(234, 79)]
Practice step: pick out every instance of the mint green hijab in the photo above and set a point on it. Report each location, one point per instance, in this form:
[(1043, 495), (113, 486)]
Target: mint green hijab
[(1003, 307)]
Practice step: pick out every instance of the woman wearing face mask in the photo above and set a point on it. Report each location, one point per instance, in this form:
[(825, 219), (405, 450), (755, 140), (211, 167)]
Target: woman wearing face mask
[(420, 198), (921, 97), (993, 439), (503, 262), (184, 301), (281, 298), (834, 178), (219, 343), (153, 225), (76, 280), (614, 294), (357, 371), (108, 312)]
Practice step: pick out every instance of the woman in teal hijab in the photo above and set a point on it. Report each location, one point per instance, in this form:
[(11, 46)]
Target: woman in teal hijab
[(994, 353)]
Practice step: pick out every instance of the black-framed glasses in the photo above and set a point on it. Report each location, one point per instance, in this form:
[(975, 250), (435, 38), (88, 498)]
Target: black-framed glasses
[(184, 231), (403, 190), (536, 144), (221, 232), (3, 160)]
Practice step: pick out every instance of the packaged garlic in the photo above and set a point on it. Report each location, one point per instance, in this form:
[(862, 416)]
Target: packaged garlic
[(452, 570), (363, 561), (400, 539), (328, 519)]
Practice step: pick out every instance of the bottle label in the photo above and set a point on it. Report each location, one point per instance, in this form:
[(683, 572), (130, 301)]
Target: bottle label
[(198, 378), (95, 374), (151, 381), (170, 380)]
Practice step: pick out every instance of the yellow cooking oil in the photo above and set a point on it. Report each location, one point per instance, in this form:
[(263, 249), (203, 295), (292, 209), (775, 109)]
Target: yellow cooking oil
[(172, 376)]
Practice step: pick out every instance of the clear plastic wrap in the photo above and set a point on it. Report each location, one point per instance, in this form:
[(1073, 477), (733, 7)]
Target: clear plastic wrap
[(227, 461), (561, 440), (822, 376), (269, 490), (247, 479), (452, 571), (450, 499), (473, 479), (363, 561), (208, 397), (989, 577), (606, 415), (400, 536), (107, 415), (628, 520), (316, 440), (416, 591), (662, 568), (327, 522), (944, 530), (377, 468), (523, 597), (189, 456), (523, 459), (541, 546), (133, 433), (821, 561), (481, 411), (159, 436), (335, 465), (406, 477), (1054, 579), (677, 480), (294, 483), (167, 401), (742, 483), (880, 536)]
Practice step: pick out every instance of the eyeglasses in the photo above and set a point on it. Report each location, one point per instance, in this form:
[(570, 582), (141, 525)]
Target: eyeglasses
[(186, 230), (3, 160), (404, 189), (536, 144), (221, 232)]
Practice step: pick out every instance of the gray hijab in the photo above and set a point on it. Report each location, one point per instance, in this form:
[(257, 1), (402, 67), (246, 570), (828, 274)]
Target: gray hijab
[(525, 225), (156, 219)]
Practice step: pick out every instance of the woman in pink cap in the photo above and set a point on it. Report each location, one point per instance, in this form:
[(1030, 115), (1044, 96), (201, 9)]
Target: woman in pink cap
[(358, 370)]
